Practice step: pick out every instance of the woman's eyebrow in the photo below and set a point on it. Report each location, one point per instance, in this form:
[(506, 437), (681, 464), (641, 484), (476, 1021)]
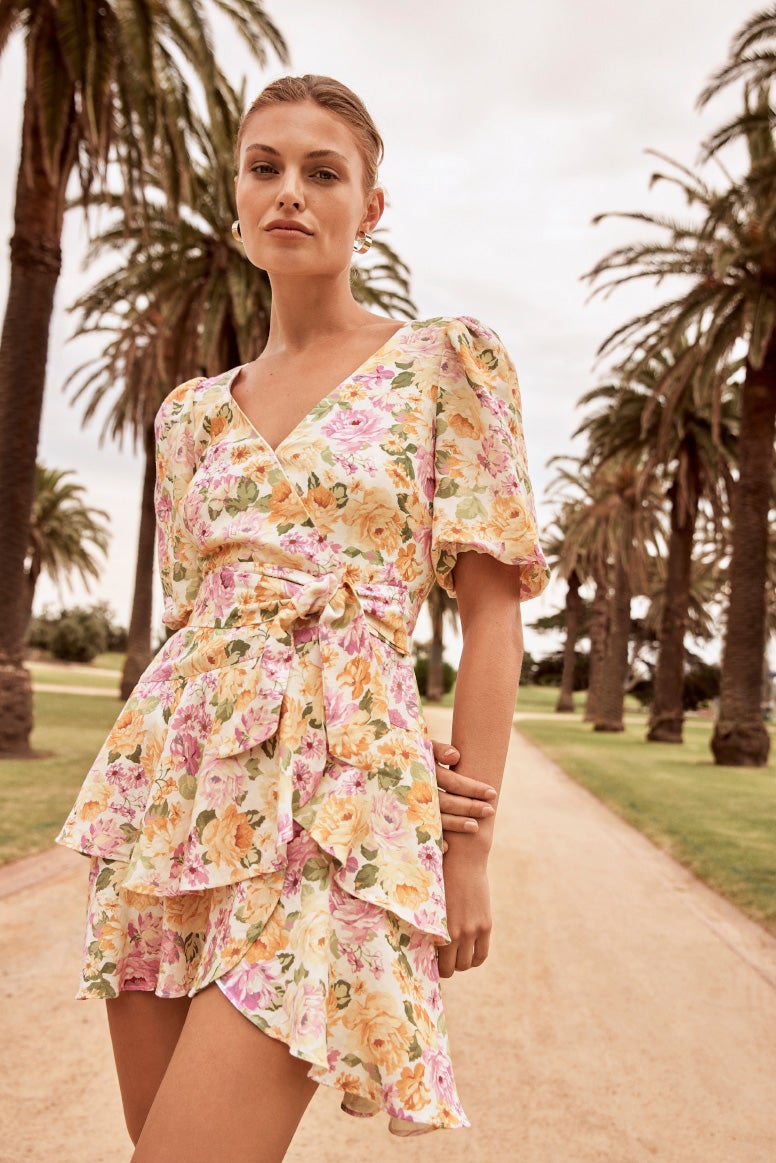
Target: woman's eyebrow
[(314, 153)]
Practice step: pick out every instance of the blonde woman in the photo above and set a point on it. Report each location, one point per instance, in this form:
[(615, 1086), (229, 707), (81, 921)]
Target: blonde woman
[(271, 900)]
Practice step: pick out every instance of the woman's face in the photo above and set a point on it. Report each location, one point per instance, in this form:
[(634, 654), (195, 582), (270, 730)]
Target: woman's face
[(300, 167)]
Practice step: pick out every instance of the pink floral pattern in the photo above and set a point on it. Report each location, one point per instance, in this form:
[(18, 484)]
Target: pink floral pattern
[(264, 812)]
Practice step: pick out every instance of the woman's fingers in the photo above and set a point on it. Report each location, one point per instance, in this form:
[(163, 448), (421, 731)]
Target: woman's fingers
[(453, 805), (445, 752), (464, 785), (464, 953)]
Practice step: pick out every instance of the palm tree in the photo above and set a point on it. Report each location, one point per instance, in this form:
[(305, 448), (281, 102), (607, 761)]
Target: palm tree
[(567, 561), (440, 604), (61, 530), (728, 253), (664, 419), (575, 488), (104, 93), (184, 301)]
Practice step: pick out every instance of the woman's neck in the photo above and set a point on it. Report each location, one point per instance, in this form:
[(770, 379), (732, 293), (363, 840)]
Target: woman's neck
[(305, 310)]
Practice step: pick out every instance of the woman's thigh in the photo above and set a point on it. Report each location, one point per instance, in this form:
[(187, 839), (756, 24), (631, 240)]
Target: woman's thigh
[(144, 1030), (230, 1092)]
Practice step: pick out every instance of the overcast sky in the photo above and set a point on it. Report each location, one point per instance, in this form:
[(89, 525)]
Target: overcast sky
[(507, 127)]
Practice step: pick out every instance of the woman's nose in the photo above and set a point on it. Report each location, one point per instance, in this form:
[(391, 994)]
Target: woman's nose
[(290, 192)]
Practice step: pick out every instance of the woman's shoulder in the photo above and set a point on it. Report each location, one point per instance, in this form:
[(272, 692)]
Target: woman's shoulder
[(189, 401), (458, 334)]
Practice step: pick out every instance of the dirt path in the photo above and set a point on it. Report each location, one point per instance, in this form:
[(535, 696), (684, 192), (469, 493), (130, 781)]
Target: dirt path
[(626, 1012)]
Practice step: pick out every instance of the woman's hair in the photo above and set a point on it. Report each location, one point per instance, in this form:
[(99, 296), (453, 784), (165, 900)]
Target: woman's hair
[(335, 97)]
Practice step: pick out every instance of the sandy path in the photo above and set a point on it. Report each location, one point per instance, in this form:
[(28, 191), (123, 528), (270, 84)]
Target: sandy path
[(626, 1013)]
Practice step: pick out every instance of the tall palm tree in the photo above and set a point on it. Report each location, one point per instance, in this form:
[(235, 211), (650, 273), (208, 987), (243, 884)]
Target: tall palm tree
[(574, 488), (568, 561), (105, 92), (728, 252), (184, 301), (62, 530), (665, 419)]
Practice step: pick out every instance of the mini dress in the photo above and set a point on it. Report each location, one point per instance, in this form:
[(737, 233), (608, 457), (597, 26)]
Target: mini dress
[(264, 813)]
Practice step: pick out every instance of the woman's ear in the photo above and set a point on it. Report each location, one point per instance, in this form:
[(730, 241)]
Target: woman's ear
[(375, 205)]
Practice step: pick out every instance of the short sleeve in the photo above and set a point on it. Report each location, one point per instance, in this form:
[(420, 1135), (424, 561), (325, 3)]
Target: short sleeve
[(483, 500), (175, 464)]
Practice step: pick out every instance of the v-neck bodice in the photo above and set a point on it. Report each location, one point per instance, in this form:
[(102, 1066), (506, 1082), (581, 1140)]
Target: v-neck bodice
[(374, 358)]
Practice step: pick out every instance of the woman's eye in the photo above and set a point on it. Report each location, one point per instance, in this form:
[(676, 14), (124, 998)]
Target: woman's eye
[(262, 168), (327, 174)]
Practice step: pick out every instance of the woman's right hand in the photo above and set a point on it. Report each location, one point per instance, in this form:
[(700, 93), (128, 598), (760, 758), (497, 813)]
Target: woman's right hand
[(462, 800)]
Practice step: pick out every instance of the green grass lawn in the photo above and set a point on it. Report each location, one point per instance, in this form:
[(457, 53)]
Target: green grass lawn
[(111, 660), (720, 822), (65, 677), (37, 794)]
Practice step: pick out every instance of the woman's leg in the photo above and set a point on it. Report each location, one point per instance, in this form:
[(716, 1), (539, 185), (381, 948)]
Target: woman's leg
[(144, 1030), (230, 1092)]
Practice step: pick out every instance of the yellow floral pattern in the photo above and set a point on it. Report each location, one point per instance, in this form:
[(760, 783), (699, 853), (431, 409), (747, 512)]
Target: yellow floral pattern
[(264, 812)]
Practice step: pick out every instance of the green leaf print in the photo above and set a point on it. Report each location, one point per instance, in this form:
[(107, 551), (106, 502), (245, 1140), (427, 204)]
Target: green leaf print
[(369, 853), (135, 756), (366, 877), (236, 649), (131, 832), (203, 819), (489, 358), (104, 879), (341, 991), (388, 777), (340, 494), (192, 947), (351, 1060), (187, 786), (446, 487), (409, 1011), (470, 508), (403, 380), (316, 868), (101, 988), (414, 1049), (243, 497), (423, 837)]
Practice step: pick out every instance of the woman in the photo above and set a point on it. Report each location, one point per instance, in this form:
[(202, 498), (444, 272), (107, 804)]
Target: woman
[(265, 815)]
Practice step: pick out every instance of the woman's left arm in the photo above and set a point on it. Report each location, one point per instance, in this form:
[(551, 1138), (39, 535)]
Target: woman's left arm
[(488, 593)]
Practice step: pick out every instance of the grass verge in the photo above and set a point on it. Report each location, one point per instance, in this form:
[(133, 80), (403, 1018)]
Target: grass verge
[(719, 822), (37, 794)]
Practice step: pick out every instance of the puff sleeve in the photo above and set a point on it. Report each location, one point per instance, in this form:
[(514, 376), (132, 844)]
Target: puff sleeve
[(175, 465), (483, 500)]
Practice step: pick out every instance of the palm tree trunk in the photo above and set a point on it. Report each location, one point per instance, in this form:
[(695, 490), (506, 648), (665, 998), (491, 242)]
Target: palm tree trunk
[(599, 621), (435, 675), (36, 259), (573, 615), (667, 715), (611, 703), (740, 737), (139, 634), (31, 584)]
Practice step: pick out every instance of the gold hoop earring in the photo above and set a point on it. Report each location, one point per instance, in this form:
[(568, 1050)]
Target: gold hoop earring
[(363, 242), (236, 230)]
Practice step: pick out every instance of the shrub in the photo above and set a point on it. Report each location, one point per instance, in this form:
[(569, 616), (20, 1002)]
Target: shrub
[(78, 634), (548, 671), (421, 674)]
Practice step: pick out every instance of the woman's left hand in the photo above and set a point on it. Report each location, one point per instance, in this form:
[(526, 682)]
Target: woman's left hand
[(467, 895), (462, 800)]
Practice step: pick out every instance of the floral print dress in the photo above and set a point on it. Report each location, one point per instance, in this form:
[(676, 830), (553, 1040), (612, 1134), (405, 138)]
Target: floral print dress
[(264, 813)]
